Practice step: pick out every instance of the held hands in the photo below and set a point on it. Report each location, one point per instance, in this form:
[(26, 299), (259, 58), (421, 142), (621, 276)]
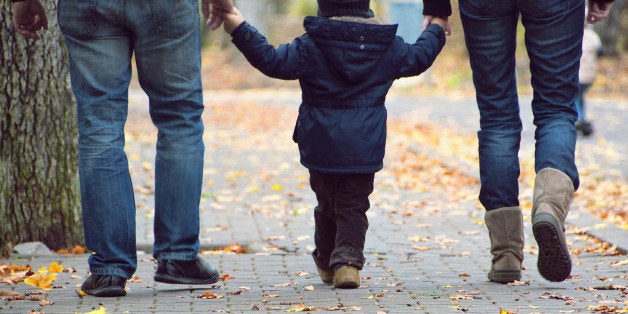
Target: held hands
[(443, 21), (213, 15), (28, 17), (598, 11), (232, 20)]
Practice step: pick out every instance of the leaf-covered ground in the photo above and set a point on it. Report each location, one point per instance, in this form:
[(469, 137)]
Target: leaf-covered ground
[(601, 194)]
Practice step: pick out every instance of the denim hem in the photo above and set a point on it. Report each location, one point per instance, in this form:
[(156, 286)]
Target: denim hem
[(347, 255), (176, 257), (111, 272)]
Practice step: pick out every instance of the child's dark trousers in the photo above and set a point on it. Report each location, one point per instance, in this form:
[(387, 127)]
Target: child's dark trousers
[(340, 218)]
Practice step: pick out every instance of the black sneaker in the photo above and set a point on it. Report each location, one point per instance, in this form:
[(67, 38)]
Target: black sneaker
[(104, 286), (196, 272)]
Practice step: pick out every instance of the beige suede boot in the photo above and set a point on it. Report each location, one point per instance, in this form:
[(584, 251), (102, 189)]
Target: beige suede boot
[(553, 193), (347, 277), (505, 230), (327, 276)]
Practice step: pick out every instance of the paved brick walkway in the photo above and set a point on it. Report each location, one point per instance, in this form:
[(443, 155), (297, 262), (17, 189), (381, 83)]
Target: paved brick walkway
[(427, 250)]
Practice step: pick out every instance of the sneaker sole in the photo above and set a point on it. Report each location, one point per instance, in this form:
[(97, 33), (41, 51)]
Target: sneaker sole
[(185, 281), (553, 262), (106, 292)]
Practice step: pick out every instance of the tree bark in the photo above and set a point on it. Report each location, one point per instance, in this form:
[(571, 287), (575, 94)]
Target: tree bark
[(39, 199)]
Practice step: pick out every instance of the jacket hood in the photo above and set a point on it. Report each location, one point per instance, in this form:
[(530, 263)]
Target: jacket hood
[(353, 49)]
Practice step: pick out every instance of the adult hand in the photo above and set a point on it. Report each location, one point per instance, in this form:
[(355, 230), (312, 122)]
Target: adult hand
[(598, 11), (213, 15), (28, 17), (427, 20)]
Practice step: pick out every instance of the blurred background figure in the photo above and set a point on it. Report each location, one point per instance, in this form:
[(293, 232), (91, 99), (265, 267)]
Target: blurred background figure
[(592, 49)]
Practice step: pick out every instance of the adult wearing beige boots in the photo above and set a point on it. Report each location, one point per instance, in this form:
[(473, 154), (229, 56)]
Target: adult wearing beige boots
[(553, 193), (553, 38)]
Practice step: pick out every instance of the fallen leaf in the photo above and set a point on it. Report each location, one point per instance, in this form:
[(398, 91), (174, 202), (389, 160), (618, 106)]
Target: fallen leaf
[(41, 279), (100, 310), (519, 283), (80, 293), (209, 295), (302, 308), (11, 273), (135, 279), (4, 293), (55, 268)]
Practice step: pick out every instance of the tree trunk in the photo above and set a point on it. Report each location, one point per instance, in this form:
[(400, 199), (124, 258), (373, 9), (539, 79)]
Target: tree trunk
[(39, 199), (609, 29)]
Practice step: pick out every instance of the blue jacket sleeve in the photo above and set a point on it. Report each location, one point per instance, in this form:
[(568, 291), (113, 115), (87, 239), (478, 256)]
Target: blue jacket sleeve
[(285, 62), (416, 58)]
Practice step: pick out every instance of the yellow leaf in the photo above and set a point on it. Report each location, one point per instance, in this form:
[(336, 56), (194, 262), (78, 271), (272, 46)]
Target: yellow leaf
[(309, 288), (600, 226), (100, 310), (302, 308), (80, 293), (276, 187), (502, 311), (55, 268), (41, 279)]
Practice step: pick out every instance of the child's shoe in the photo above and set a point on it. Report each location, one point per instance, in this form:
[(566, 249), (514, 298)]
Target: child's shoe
[(327, 276), (585, 127), (347, 277)]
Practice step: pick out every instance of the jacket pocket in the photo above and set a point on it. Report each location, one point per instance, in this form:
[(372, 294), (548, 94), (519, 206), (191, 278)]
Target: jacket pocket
[(174, 18), (77, 18)]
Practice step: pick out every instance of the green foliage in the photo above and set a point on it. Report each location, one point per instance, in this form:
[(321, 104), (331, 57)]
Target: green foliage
[(303, 7)]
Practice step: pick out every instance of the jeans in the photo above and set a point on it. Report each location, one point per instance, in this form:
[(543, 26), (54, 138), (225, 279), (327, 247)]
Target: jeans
[(340, 218), (164, 36), (553, 39)]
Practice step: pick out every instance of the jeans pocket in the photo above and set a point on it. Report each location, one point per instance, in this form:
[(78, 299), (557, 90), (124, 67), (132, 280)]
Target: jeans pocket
[(175, 18), (478, 6), (548, 8), (77, 18)]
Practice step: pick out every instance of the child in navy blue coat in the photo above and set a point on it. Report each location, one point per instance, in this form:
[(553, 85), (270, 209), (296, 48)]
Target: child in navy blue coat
[(345, 63)]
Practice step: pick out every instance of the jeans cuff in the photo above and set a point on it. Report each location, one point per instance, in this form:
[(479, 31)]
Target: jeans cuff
[(349, 256)]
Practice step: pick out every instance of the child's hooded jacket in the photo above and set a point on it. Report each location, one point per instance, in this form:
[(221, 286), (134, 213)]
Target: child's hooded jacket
[(345, 70)]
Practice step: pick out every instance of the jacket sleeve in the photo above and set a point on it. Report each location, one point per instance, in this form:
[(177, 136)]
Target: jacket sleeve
[(437, 7), (415, 58), (285, 62)]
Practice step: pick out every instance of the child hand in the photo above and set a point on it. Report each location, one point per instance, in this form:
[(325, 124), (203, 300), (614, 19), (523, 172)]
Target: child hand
[(232, 19), (442, 21)]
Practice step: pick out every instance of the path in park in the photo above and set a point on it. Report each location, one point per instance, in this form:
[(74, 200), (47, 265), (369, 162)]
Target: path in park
[(427, 247)]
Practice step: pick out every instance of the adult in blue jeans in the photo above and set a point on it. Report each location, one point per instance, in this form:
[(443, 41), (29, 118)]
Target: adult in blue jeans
[(553, 39), (101, 38)]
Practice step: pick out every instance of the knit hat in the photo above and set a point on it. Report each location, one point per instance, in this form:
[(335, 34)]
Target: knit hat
[(330, 8)]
